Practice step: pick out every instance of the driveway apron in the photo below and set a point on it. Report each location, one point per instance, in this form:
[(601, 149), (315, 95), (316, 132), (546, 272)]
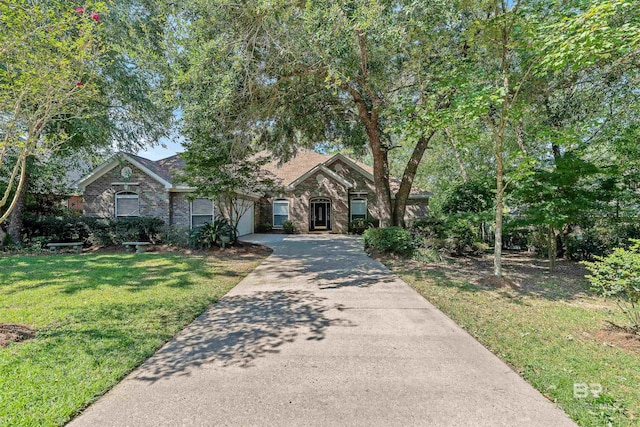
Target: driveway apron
[(320, 334)]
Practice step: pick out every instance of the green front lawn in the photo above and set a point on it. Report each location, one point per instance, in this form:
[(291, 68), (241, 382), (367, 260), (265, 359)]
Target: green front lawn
[(97, 316), (550, 328)]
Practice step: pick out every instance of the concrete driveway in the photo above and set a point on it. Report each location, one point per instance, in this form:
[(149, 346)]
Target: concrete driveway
[(320, 334)]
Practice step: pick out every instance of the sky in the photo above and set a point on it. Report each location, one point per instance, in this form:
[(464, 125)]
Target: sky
[(166, 148)]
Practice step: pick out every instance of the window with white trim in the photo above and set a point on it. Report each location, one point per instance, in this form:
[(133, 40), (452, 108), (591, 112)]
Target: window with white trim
[(358, 209), (202, 211), (127, 204), (280, 212)]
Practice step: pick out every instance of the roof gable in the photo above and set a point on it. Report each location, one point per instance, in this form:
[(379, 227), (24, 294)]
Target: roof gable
[(363, 169), (145, 165), (322, 168), (305, 161)]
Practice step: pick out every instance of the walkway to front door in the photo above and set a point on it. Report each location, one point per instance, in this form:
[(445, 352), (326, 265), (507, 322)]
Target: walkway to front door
[(320, 213), (322, 335)]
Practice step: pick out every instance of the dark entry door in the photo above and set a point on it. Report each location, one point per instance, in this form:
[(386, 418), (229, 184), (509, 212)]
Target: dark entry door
[(320, 215)]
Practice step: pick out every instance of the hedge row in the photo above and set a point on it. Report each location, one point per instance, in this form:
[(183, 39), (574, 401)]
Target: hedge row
[(93, 231)]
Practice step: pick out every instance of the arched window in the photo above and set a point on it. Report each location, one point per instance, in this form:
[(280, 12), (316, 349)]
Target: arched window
[(358, 209), (202, 211), (127, 204), (280, 212)]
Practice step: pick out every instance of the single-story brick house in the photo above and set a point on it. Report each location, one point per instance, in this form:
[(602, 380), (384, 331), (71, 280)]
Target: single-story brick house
[(321, 192)]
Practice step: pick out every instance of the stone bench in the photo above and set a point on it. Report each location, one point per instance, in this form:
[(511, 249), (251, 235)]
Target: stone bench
[(140, 246), (54, 247)]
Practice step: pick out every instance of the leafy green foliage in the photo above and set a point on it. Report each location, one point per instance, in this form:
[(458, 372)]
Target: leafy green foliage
[(357, 75), (618, 276), (455, 235), (469, 197), (394, 240), (264, 228), (358, 226), (99, 231), (218, 232), (288, 227), (47, 75), (225, 170), (605, 31)]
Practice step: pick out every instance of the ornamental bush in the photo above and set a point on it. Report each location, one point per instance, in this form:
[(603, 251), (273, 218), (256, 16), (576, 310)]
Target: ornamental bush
[(264, 227), (93, 231), (618, 276), (358, 226), (395, 240), (217, 232), (455, 235), (288, 227)]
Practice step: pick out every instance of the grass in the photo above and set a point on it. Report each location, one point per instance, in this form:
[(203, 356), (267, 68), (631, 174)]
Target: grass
[(97, 317), (550, 328)]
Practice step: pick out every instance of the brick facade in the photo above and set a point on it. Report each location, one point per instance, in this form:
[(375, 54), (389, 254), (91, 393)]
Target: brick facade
[(172, 205), (319, 185), (180, 210), (99, 195)]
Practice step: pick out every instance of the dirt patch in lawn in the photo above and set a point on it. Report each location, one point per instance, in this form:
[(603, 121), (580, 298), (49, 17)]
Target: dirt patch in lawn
[(496, 282), (14, 332), (615, 336)]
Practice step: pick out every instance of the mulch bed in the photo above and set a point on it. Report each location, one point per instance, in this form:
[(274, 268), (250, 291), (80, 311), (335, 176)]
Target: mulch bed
[(240, 249), (14, 332)]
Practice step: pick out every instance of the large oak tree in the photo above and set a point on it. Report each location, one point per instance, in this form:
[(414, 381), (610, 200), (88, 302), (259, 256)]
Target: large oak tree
[(286, 74)]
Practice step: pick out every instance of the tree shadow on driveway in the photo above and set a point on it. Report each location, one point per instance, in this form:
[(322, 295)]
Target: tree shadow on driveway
[(240, 329)]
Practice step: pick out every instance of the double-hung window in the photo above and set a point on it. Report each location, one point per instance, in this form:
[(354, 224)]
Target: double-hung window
[(201, 212), (127, 204), (280, 212), (358, 209)]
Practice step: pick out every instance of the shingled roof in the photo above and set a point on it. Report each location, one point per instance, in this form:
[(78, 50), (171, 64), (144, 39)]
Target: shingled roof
[(306, 160), (169, 168)]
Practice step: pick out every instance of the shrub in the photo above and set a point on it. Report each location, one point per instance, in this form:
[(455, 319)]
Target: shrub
[(59, 229), (389, 240), (618, 276), (457, 235), (176, 236), (461, 238), (288, 227), (470, 197), (137, 229), (375, 222), (264, 228), (93, 231), (358, 226), (430, 228), (585, 245), (217, 232)]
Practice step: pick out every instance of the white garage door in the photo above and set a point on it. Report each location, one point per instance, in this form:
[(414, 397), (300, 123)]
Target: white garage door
[(245, 226)]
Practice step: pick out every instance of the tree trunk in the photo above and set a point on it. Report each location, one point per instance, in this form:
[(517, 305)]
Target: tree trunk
[(497, 246), (552, 249), (408, 176), (14, 227), (369, 117), (381, 179)]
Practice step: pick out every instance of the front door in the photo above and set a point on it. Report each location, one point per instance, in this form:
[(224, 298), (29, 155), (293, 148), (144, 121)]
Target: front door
[(320, 215)]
